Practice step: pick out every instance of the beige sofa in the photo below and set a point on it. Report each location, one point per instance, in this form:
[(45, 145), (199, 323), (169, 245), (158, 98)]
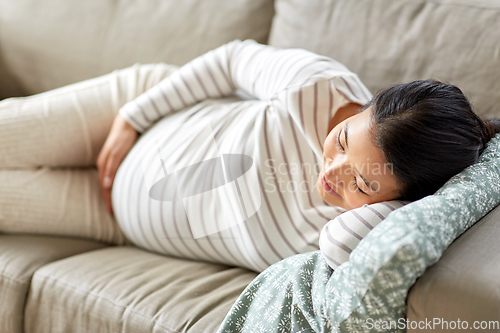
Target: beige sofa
[(59, 284)]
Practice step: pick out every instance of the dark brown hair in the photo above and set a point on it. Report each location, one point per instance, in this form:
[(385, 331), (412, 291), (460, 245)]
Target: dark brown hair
[(428, 132)]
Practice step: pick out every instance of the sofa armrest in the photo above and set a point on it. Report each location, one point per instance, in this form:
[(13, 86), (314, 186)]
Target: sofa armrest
[(464, 283)]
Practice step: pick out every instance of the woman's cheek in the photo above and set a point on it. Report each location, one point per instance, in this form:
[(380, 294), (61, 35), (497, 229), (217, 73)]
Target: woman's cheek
[(355, 201)]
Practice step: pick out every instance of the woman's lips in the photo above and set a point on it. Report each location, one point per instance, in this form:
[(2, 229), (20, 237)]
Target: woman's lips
[(327, 187)]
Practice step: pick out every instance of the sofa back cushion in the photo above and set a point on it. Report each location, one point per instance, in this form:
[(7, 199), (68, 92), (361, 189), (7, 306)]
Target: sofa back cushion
[(48, 44), (393, 41)]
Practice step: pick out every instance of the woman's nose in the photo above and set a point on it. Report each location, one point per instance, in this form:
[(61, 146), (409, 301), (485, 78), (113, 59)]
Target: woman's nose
[(334, 172)]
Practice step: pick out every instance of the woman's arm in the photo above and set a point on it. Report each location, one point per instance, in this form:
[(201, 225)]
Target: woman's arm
[(262, 71), (207, 76)]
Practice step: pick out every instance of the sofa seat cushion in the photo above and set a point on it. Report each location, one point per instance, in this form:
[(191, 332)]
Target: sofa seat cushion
[(463, 283), (125, 289), (20, 257)]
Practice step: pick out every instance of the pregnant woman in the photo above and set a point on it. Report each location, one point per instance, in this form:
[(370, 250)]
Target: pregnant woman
[(318, 142)]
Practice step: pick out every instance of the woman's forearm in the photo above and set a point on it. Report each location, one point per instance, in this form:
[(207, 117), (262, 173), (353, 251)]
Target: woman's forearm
[(208, 76)]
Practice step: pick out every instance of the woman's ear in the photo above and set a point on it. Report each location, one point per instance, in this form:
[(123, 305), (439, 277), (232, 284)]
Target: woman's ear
[(344, 113)]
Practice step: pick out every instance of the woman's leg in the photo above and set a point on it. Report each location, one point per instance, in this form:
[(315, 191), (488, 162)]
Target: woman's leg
[(64, 201), (48, 147), (68, 126)]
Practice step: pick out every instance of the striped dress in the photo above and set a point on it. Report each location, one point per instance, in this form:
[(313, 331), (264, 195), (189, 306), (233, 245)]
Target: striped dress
[(272, 106)]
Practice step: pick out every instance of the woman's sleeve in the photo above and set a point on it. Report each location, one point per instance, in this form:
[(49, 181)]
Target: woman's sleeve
[(262, 71), (215, 74), (341, 235)]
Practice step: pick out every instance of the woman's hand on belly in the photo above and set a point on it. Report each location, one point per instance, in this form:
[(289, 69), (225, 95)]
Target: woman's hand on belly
[(119, 142)]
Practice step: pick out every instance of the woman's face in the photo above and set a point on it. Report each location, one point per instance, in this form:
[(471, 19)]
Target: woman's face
[(354, 171)]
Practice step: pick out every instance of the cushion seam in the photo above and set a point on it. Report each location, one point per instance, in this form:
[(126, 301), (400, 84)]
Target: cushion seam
[(16, 279)]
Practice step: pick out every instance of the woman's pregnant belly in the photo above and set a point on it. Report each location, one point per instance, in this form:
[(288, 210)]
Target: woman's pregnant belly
[(164, 221), (178, 216)]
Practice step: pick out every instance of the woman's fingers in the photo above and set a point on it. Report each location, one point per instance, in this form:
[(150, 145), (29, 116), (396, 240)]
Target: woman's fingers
[(107, 181), (101, 163), (112, 164), (101, 167), (120, 140)]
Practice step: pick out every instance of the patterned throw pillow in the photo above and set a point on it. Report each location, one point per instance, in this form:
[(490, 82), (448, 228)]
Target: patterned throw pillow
[(304, 294)]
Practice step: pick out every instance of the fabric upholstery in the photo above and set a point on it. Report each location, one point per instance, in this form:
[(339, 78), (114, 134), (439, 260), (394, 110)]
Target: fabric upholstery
[(389, 41), (20, 257), (464, 282), (124, 289), (48, 44)]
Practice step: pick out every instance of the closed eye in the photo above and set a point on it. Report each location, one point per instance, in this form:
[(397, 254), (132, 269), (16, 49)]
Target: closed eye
[(338, 142), (357, 187)]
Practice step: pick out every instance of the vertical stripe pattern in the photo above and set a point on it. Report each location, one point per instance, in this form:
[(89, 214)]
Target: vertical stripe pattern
[(296, 93)]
